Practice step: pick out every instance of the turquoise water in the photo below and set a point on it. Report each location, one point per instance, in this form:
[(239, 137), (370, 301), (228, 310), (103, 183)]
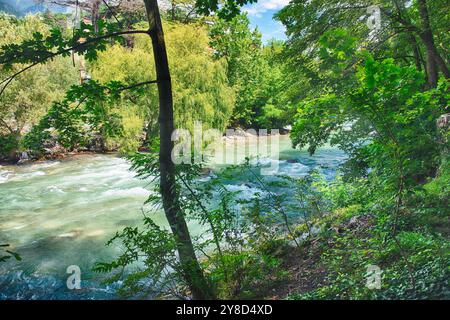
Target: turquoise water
[(61, 213)]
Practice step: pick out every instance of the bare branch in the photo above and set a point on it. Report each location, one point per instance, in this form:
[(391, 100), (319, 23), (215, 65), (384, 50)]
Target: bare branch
[(112, 12)]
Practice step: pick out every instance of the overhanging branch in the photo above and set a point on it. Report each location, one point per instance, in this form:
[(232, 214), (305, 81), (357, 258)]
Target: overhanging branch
[(9, 79), (132, 86), (137, 85)]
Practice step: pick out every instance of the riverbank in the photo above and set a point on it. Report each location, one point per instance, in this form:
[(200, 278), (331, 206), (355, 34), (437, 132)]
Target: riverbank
[(58, 153), (346, 259), (356, 254), (60, 157)]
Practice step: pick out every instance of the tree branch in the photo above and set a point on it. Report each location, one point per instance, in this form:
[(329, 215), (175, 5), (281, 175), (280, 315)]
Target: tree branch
[(8, 80), (137, 85), (398, 18), (80, 102), (112, 13)]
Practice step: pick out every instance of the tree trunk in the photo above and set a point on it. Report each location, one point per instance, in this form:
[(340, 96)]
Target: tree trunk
[(432, 71), (434, 60), (416, 52), (14, 152), (191, 268), (95, 14)]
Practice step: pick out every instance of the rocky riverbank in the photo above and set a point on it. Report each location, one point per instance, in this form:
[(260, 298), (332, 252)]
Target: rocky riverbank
[(52, 150)]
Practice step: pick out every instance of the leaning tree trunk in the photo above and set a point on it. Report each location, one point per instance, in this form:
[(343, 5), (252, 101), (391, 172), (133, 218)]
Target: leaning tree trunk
[(434, 60), (191, 268)]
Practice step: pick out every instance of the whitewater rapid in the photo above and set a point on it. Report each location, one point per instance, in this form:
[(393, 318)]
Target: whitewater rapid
[(61, 213)]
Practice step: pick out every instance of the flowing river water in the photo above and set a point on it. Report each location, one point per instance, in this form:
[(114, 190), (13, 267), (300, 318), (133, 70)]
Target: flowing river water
[(61, 213)]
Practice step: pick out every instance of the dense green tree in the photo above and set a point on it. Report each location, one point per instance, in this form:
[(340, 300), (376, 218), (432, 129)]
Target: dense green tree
[(202, 92), (31, 95), (234, 41), (254, 72), (408, 32), (385, 115)]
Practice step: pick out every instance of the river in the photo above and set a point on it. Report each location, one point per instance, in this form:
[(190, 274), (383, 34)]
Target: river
[(61, 213)]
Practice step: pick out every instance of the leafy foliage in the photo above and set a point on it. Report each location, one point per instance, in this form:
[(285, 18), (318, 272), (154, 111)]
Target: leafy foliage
[(339, 82), (39, 48), (226, 10), (28, 98), (253, 71), (201, 92), (86, 109), (388, 104)]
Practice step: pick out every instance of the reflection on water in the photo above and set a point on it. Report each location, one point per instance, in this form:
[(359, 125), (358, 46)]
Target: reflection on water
[(61, 213)]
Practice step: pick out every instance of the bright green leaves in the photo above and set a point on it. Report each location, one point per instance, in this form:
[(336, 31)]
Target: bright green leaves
[(156, 248), (227, 9), (31, 50), (88, 42), (370, 71), (253, 71), (28, 98), (39, 48), (385, 122), (337, 48), (315, 121), (388, 77), (87, 109), (201, 91)]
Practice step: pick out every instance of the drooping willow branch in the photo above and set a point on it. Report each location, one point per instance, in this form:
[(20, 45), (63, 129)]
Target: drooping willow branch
[(78, 47)]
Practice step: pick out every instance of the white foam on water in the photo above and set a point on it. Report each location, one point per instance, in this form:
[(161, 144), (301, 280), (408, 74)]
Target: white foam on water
[(20, 227), (11, 225), (295, 169), (244, 191), (118, 172), (96, 233), (46, 164), (29, 175), (4, 175), (131, 192), (272, 167), (37, 174), (66, 235), (265, 161), (71, 234), (55, 189)]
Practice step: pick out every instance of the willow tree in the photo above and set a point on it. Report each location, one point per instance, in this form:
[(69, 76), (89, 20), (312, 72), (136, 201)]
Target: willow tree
[(88, 40), (201, 91)]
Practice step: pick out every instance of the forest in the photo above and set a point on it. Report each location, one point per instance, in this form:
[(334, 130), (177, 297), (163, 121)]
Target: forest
[(104, 194)]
